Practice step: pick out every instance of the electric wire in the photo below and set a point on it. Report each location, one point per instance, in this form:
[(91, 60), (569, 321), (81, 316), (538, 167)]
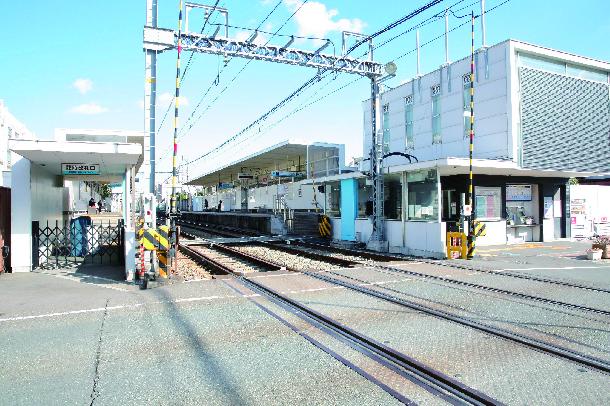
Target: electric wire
[(188, 63), (316, 77), (304, 106), (237, 74), (217, 78)]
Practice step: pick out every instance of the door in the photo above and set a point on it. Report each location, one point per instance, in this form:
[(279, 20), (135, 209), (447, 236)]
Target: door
[(5, 229), (558, 212)]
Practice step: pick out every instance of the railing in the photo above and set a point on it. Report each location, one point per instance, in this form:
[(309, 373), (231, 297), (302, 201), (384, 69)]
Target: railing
[(77, 242)]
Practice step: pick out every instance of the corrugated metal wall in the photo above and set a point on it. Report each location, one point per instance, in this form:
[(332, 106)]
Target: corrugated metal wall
[(5, 226), (565, 122)]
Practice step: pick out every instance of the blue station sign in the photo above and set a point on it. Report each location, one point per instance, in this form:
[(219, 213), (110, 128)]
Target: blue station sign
[(80, 169)]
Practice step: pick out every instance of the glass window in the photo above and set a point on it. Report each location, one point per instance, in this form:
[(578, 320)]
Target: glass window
[(436, 114), (333, 207), (422, 195), (466, 104), (537, 62), (410, 137), (392, 192), (487, 202), (323, 161), (386, 128), (585, 73), (365, 205)]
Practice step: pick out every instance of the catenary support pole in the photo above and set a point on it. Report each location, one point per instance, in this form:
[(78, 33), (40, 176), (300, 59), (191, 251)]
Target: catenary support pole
[(471, 237), (150, 94)]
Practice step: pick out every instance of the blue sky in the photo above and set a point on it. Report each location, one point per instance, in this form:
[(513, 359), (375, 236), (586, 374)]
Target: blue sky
[(74, 63)]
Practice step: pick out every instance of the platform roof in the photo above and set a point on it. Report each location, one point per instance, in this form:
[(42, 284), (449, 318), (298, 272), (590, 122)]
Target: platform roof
[(281, 156), (113, 157)]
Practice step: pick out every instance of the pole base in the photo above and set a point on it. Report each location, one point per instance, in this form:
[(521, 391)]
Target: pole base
[(379, 246)]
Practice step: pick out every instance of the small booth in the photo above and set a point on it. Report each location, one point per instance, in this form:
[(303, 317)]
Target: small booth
[(44, 228)]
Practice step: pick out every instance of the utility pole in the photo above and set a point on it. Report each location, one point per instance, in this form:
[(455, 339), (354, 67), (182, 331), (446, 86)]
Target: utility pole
[(150, 92)]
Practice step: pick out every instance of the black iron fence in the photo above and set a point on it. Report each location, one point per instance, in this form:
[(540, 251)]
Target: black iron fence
[(77, 242)]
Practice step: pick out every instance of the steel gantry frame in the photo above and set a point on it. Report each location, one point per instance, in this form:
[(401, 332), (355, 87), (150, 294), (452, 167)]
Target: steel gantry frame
[(159, 39)]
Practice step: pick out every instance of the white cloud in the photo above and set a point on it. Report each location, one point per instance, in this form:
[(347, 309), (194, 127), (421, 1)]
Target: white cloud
[(315, 20), (166, 98), (82, 85), (89, 109), (260, 40)]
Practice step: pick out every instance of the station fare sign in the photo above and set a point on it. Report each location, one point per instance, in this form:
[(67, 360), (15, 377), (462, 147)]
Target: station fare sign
[(80, 169), (244, 176), (224, 185), (285, 174)]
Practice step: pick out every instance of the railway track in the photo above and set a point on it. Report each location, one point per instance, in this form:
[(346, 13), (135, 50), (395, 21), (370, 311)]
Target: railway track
[(472, 285), (348, 258), (343, 280), (429, 379), (452, 264)]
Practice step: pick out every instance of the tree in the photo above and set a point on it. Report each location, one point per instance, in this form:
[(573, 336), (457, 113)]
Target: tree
[(105, 191)]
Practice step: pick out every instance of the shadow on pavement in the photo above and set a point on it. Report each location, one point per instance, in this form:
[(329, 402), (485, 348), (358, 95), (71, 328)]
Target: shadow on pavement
[(207, 361)]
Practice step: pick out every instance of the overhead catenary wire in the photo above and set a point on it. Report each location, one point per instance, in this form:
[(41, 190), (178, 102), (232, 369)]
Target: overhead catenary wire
[(186, 68), (314, 79), (237, 74), (217, 78), (300, 108)]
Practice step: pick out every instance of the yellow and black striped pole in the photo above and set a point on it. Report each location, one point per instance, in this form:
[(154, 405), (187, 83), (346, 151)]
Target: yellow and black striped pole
[(471, 236), (175, 154)]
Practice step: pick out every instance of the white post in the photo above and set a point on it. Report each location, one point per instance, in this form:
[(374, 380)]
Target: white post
[(417, 48), (21, 216), (447, 36), (483, 23), (130, 233)]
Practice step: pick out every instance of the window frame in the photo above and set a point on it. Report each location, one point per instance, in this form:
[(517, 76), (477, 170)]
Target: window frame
[(436, 93), (409, 127)]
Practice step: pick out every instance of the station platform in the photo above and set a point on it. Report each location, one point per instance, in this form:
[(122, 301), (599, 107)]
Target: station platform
[(300, 223)]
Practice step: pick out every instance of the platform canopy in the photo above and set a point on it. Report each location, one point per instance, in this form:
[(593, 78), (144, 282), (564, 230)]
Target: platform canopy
[(112, 157), (285, 156)]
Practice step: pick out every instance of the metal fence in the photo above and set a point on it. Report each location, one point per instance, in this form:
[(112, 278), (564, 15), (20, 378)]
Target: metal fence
[(77, 242)]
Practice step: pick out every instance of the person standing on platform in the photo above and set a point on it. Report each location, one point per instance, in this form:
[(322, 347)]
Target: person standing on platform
[(99, 206), (205, 204), (220, 205)]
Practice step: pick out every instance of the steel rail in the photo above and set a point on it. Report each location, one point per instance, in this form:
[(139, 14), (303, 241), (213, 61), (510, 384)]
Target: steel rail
[(495, 290), (426, 377), (555, 350), (422, 371), (490, 289), (205, 260), (349, 263), (398, 257)]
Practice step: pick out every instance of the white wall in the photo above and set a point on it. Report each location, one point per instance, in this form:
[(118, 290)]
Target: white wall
[(425, 238), (21, 217), (47, 194), (491, 111), (264, 197), (495, 233), (10, 127)]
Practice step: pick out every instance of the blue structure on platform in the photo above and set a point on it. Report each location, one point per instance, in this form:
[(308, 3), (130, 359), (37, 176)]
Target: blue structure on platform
[(349, 208)]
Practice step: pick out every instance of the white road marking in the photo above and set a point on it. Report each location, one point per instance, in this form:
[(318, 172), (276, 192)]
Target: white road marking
[(118, 307), (554, 268)]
